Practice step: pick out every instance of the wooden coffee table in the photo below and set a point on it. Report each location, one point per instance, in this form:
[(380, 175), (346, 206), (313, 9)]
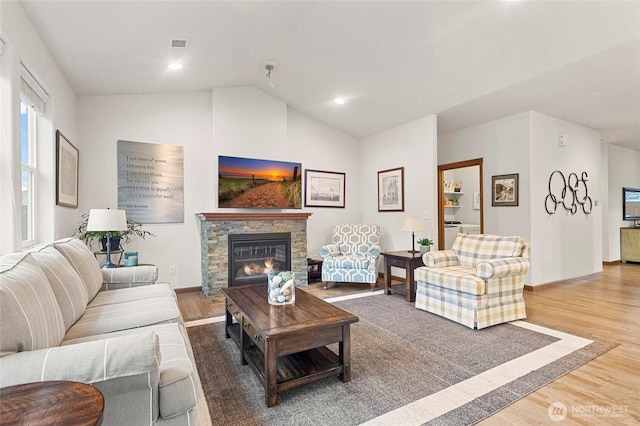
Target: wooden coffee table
[(51, 403), (285, 345)]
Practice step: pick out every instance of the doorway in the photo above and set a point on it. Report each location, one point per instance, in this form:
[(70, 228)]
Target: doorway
[(454, 197)]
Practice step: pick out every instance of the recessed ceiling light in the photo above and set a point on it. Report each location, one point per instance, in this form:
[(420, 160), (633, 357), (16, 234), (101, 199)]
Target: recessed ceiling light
[(339, 101), (175, 66)]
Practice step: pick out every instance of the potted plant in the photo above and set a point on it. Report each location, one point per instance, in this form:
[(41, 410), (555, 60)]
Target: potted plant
[(425, 244), (134, 229)]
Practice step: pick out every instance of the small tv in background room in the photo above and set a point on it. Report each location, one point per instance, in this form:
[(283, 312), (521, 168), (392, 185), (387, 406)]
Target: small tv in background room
[(630, 203), (259, 184)]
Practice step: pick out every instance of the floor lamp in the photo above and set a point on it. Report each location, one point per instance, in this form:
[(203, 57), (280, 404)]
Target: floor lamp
[(107, 220), (413, 224)]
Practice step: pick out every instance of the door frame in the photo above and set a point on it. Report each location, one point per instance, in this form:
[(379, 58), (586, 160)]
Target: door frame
[(451, 166)]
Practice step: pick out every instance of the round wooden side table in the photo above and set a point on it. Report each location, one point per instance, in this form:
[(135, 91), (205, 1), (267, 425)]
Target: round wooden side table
[(49, 403)]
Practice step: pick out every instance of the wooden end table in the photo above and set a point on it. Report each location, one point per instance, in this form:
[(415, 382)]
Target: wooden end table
[(51, 403), (285, 346), (314, 268), (409, 262)]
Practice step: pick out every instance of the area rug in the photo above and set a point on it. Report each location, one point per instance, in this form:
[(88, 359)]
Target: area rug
[(408, 367)]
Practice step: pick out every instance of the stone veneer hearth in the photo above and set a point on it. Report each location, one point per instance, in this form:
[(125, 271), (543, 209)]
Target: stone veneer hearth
[(214, 242)]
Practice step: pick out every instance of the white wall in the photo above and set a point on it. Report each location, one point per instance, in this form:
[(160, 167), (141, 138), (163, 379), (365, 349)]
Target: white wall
[(182, 119), (244, 122), (565, 245), (504, 147), (624, 170), (24, 45), (320, 147), (248, 122), (414, 147)]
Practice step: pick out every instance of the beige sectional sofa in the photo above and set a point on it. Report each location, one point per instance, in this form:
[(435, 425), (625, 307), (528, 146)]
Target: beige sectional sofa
[(58, 322), (478, 283)]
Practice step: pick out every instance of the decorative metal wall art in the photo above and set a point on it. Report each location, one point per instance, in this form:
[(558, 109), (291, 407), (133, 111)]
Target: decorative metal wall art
[(571, 193)]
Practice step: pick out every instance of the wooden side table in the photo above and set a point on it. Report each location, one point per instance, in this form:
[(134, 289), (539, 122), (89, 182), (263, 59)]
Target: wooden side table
[(51, 403), (409, 262), (314, 269)]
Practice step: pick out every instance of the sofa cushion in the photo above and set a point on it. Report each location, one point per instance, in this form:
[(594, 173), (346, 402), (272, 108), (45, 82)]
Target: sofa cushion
[(458, 278), (83, 261), (123, 316), (471, 248), (134, 293), (347, 262), (176, 389), (30, 318), (134, 276), (95, 360), (65, 282)]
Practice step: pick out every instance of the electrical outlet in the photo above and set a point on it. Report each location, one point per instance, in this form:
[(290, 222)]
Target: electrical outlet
[(172, 270)]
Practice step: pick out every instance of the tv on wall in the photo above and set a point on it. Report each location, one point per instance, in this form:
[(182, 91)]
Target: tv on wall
[(259, 184)]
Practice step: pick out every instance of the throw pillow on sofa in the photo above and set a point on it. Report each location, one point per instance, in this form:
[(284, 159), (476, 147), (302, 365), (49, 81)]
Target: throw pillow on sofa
[(29, 312), (67, 285)]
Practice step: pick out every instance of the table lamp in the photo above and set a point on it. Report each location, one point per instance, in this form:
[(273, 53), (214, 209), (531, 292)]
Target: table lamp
[(107, 220), (413, 224)]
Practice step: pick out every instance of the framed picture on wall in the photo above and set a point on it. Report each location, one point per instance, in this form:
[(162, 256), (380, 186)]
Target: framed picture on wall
[(504, 190), (391, 190), (67, 157), (324, 189)]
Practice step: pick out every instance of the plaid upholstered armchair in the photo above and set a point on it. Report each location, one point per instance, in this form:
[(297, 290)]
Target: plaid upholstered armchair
[(478, 283), (352, 255)]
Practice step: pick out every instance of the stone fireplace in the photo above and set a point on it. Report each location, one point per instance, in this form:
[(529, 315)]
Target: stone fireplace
[(253, 256), (216, 228)]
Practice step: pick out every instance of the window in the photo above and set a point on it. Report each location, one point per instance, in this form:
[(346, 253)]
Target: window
[(34, 127), (28, 172)]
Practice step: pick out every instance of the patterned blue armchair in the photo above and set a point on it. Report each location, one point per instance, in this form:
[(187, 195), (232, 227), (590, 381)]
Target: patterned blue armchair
[(352, 256)]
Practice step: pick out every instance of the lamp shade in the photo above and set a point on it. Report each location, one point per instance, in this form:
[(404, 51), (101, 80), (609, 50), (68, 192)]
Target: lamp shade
[(107, 220), (413, 224)]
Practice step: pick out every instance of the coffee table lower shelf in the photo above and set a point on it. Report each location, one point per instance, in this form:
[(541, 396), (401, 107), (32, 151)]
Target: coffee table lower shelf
[(296, 369), (292, 370)]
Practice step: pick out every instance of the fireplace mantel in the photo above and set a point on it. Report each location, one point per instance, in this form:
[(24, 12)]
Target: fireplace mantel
[(254, 216)]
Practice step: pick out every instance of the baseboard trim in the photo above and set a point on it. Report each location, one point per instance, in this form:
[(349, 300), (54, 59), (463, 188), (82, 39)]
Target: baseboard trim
[(528, 287), (612, 262), (187, 290)]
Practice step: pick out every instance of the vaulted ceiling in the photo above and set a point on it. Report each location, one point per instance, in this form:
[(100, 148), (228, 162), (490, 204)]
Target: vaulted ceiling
[(392, 61)]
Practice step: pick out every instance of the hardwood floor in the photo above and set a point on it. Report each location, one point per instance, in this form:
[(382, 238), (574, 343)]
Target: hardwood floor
[(607, 307)]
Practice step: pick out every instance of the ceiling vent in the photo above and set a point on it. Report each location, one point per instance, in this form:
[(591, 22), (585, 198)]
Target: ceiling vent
[(179, 43), (177, 48), (177, 51)]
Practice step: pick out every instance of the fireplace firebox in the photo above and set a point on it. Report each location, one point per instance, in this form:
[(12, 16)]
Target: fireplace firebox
[(253, 256)]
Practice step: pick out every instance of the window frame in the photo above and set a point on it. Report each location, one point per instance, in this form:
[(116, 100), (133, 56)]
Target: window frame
[(29, 230)]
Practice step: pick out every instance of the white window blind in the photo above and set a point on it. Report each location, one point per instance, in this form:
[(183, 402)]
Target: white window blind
[(31, 91)]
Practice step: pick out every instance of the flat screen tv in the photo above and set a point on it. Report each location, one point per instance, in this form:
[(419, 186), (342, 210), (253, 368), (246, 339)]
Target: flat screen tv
[(630, 204), (259, 184)]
